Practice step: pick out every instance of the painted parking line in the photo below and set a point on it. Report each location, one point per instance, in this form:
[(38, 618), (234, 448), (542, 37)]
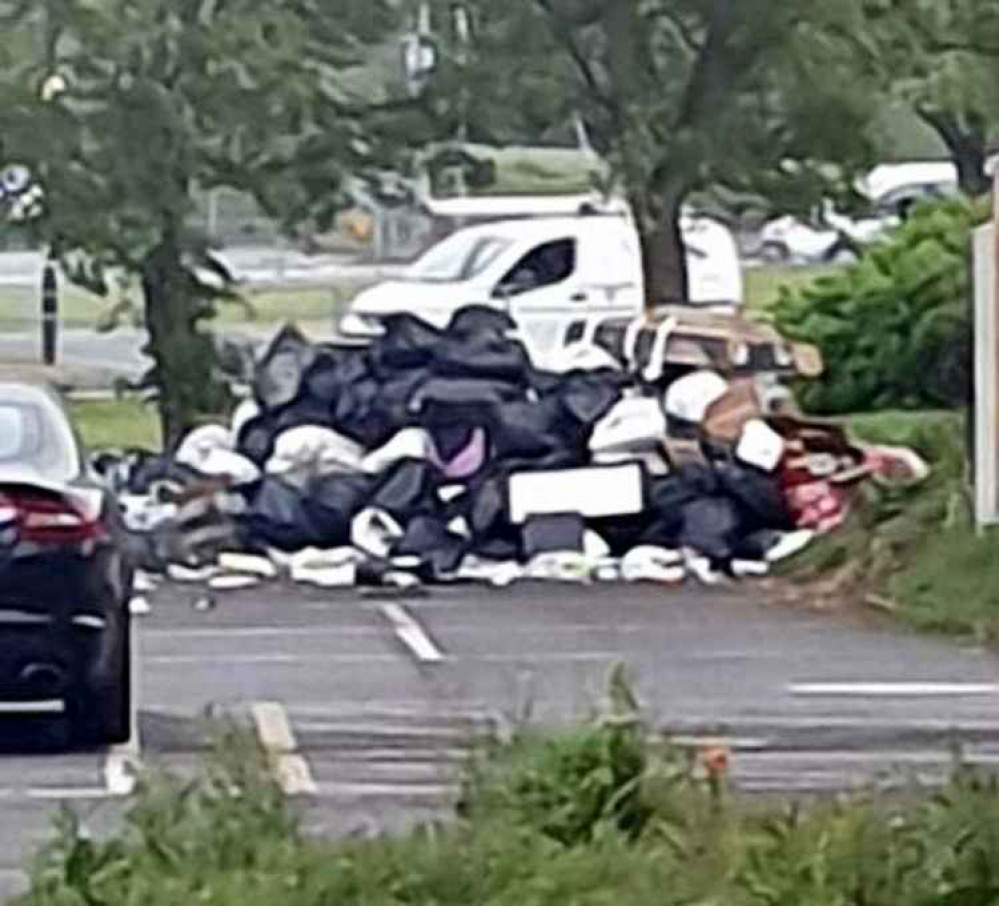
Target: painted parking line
[(412, 634), (227, 633), (893, 690), (124, 762), (265, 660), (290, 769)]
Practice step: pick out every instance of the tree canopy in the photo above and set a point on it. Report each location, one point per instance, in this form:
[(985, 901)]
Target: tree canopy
[(941, 58), (753, 98), (122, 110)]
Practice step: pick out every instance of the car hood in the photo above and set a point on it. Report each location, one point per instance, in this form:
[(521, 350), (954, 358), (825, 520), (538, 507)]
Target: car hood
[(416, 297), (25, 476)]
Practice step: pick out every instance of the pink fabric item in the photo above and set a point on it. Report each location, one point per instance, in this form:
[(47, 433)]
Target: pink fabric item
[(817, 505), (467, 461)]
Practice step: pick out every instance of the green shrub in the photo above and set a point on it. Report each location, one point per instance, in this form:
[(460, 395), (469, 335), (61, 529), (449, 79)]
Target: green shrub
[(576, 787), (228, 840), (894, 329)]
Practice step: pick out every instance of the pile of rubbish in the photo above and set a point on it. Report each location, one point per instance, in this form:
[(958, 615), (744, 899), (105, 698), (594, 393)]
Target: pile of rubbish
[(446, 455)]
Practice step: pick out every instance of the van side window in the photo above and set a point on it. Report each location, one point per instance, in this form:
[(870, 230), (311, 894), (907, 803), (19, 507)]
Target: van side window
[(546, 265)]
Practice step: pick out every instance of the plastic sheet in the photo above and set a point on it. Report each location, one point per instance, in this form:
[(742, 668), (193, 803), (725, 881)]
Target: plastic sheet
[(331, 503), (690, 398), (311, 450), (635, 425), (550, 534), (439, 550), (281, 372), (279, 517)]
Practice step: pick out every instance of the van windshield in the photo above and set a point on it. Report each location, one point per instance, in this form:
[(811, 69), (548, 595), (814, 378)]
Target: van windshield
[(460, 257)]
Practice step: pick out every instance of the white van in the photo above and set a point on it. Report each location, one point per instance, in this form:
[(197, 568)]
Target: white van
[(547, 272)]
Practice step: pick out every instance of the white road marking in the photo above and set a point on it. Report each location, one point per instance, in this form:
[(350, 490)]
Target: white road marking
[(120, 774), (411, 634), (123, 763), (733, 743), (262, 632), (262, 660), (273, 728), (893, 690), (277, 738)]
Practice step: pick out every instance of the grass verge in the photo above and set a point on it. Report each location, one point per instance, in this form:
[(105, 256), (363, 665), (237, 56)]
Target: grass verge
[(596, 817), (117, 424), (763, 284)]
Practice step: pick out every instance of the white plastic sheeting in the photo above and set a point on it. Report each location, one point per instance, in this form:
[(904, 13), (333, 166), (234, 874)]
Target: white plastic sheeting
[(690, 397), (310, 450), (635, 425), (760, 446)]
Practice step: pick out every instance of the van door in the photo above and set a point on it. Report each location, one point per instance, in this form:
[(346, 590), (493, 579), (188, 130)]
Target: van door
[(539, 291), (610, 269)]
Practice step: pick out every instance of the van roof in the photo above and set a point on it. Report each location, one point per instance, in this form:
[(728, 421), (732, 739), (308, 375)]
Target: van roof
[(536, 228), (503, 206)]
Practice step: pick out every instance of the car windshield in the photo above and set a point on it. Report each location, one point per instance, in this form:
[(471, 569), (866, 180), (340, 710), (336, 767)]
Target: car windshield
[(460, 257), (35, 436)]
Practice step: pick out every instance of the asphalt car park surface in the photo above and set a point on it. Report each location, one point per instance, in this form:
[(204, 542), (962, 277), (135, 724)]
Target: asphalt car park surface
[(370, 706)]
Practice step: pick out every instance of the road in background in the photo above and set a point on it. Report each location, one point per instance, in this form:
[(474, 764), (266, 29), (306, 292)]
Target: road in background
[(254, 265), (372, 707), (88, 360)]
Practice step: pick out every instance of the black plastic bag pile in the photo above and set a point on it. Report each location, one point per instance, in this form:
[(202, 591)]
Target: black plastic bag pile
[(420, 434)]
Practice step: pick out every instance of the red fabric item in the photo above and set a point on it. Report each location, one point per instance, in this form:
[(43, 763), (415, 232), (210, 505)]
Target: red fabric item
[(813, 504)]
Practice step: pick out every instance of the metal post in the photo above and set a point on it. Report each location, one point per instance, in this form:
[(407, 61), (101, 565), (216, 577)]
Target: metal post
[(50, 314), (995, 270)]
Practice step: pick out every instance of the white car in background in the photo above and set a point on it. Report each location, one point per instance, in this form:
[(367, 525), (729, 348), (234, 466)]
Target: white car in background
[(832, 236)]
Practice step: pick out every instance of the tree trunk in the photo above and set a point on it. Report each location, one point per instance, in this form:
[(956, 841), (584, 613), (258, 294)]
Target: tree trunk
[(183, 357), (966, 140), (664, 258), (970, 158)]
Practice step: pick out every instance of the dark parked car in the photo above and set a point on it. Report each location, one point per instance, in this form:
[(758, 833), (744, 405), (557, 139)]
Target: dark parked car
[(65, 584)]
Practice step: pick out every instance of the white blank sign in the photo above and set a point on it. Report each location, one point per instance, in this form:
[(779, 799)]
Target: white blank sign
[(592, 493)]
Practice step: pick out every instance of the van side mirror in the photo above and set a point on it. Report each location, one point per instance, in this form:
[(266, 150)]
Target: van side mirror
[(522, 281)]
